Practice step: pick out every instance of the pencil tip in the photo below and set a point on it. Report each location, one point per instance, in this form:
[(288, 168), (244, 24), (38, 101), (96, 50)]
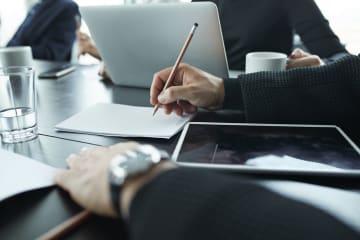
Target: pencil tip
[(155, 109), (196, 24)]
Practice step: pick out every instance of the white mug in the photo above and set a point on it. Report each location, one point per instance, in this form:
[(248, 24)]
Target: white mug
[(265, 61), (16, 56)]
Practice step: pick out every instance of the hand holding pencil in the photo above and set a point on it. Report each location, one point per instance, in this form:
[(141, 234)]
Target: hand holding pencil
[(177, 63), (192, 88), (184, 88)]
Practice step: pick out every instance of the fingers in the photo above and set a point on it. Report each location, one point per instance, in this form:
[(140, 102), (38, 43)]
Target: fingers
[(179, 107), (177, 99), (309, 61), (298, 53), (103, 72), (187, 89), (175, 93), (299, 58), (169, 108), (86, 157), (92, 155), (160, 78), (63, 179), (83, 36), (187, 107), (71, 160), (121, 148), (158, 84)]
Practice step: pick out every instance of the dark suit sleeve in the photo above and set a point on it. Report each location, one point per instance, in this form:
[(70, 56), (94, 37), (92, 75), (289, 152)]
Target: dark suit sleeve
[(197, 204), (307, 20), (57, 42), (323, 95)]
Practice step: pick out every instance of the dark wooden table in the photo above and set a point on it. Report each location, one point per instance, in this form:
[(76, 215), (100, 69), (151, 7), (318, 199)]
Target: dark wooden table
[(30, 214)]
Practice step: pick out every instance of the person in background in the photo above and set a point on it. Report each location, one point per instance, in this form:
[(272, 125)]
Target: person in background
[(264, 25), (165, 202), (50, 30), (268, 26)]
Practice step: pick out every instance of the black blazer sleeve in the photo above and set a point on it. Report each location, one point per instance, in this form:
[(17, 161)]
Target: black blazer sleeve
[(307, 20), (319, 95), (197, 204)]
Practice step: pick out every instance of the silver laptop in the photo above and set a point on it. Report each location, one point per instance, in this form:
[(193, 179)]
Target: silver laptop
[(135, 41)]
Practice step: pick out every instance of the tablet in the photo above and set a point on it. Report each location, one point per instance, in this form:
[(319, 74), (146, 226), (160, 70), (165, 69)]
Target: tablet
[(268, 148)]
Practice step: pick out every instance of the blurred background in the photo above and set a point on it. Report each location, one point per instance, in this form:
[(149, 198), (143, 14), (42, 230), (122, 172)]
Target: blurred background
[(343, 15)]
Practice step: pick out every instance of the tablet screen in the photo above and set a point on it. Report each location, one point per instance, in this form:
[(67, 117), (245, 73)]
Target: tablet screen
[(268, 146)]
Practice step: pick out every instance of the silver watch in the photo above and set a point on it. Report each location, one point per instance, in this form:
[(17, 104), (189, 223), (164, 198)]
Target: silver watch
[(131, 163)]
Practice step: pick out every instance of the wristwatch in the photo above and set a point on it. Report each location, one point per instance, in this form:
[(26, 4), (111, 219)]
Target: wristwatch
[(133, 162)]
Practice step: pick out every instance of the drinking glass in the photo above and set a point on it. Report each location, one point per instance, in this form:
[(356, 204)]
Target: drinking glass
[(18, 118)]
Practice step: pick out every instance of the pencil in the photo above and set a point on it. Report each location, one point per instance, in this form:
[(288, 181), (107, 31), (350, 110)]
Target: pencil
[(177, 63), (64, 228)]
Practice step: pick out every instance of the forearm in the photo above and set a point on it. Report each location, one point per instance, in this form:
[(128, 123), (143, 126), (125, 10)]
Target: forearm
[(233, 97), (198, 204), (322, 95), (308, 21), (335, 57)]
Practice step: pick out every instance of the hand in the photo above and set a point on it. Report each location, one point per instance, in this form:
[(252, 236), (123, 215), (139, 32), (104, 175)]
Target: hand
[(299, 58), (87, 179), (86, 45), (103, 72), (191, 88)]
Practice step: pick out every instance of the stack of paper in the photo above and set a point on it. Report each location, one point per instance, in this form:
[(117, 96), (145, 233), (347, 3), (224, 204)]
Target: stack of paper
[(19, 174), (124, 121)]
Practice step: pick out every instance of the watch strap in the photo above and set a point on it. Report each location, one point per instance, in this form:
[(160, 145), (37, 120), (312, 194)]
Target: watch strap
[(134, 161), (115, 191)]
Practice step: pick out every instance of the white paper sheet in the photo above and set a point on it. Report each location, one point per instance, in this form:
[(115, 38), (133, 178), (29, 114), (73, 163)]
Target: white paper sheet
[(124, 121), (19, 174)]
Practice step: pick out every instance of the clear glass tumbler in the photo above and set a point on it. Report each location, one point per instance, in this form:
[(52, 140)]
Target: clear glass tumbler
[(18, 118)]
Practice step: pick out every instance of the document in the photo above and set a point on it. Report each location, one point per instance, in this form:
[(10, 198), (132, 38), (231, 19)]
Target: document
[(19, 174), (124, 121)]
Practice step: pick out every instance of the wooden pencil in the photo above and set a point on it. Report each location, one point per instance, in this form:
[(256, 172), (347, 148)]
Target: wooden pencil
[(65, 227), (177, 62)]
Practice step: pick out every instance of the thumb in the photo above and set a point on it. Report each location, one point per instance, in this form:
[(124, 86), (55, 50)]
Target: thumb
[(175, 93)]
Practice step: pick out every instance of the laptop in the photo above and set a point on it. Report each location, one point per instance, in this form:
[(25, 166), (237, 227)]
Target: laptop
[(135, 41)]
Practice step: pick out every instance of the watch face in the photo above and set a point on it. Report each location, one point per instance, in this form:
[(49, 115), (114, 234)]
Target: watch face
[(119, 172), (153, 155), (133, 162)]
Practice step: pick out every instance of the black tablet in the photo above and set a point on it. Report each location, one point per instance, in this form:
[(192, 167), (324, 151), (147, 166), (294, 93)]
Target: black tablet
[(269, 148)]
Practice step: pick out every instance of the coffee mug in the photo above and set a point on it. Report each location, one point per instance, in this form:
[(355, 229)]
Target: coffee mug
[(16, 56), (265, 61)]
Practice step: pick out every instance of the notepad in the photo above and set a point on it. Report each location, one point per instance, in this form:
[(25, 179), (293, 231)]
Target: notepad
[(108, 119), (19, 174)]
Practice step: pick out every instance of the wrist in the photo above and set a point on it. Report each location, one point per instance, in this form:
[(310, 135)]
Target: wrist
[(135, 165), (134, 184), (219, 94), (221, 91)]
